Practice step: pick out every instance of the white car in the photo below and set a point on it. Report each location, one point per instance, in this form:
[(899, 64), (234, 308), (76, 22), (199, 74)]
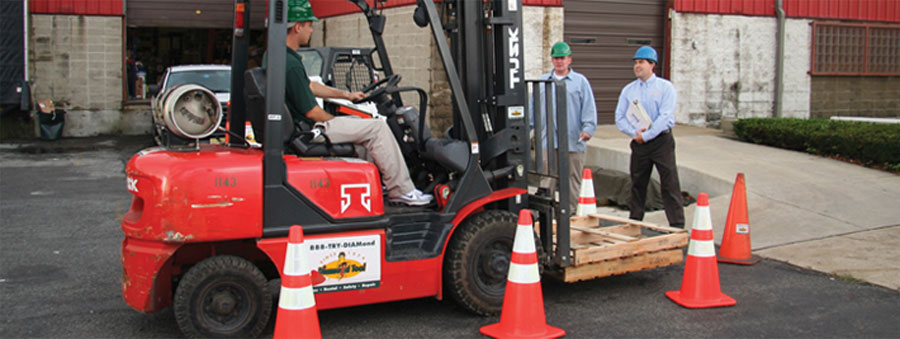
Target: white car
[(216, 78)]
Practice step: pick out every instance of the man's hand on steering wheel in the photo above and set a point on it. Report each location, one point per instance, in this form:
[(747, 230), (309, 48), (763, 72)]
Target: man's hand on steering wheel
[(379, 88), (354, 96)]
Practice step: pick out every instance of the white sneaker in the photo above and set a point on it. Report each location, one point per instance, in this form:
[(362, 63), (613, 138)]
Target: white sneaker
[(414, 198)]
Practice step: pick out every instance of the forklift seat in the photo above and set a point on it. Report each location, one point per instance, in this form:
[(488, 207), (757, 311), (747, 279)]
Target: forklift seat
[(297, 139), (449, 153)]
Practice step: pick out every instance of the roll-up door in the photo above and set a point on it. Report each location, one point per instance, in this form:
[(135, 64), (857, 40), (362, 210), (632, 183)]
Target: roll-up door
[(604, 35), (189, 14)]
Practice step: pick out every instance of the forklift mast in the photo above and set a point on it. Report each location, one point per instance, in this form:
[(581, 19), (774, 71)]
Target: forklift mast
[(488, 84)]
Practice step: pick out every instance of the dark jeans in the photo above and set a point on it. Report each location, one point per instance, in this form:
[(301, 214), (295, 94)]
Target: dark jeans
[(659, 152)]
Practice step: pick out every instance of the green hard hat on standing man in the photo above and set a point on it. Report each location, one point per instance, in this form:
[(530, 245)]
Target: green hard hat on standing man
[(560, 49), (300, 10)]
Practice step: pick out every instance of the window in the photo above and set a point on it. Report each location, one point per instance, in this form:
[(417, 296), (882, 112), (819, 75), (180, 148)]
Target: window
[(855, 49), (218, 81)]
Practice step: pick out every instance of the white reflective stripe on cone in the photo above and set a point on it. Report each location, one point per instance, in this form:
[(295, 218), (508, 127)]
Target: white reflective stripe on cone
[(295, 262), (296, 298), (702, 219), (524, 242), (702, 248), (524, 274)]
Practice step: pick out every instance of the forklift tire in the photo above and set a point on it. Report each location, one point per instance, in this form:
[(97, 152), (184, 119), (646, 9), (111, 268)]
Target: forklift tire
[(223, 296), (477, 261)]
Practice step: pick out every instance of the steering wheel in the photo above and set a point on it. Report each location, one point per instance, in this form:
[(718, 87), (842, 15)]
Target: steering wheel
[(378, 88)]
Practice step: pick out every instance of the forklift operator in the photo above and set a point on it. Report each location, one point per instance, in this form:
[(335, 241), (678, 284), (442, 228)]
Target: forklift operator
[(373, 134)]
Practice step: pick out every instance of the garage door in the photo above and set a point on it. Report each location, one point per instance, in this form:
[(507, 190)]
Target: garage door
[(189, 14), (604, 35)]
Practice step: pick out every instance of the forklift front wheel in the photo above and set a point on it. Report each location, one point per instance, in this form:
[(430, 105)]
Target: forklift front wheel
[(223, 296), (477, 261)]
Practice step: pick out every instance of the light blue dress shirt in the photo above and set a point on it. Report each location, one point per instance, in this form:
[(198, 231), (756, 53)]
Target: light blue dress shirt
[(658, 97), (581, 110)]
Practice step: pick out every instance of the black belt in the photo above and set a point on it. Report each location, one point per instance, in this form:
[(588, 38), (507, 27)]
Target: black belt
[(666, 131)]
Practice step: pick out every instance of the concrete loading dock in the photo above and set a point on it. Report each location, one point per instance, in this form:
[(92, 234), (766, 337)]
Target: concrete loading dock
[(812, 212)]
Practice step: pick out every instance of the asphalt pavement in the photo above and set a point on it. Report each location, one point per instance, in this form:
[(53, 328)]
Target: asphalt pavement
[(61, 204)]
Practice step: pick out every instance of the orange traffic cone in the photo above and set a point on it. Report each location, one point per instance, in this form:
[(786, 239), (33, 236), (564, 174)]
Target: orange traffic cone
[(523, 304), (587, 203), (700, 283), (297, 317), (248, 132), (227, 128), (736, 239)]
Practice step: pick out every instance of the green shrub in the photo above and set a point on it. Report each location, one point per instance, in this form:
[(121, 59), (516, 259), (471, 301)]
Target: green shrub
[(869, 143)]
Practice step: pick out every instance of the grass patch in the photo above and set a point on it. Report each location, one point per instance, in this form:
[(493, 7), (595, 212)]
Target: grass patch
[(848, 278)]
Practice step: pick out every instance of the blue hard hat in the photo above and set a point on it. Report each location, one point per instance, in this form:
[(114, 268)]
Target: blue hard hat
[(646, 52)]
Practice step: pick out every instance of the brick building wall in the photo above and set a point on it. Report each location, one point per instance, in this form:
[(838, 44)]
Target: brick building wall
[(855, 96), (543, 28), (76, 60), (723, 67)]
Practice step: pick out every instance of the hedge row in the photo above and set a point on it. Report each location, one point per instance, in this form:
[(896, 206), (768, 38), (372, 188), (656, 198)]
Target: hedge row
[(869, 143)]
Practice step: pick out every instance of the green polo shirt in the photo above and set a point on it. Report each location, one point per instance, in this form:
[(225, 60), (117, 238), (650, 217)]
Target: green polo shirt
[(297, 95)]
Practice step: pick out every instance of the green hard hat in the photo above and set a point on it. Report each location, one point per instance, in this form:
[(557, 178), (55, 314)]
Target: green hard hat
[(300, 10), (560, 49)]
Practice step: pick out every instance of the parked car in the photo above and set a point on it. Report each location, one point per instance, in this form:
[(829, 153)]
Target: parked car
[(215, 78)]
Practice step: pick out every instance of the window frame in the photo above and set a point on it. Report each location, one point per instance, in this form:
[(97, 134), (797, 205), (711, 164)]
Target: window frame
[(866, 48)]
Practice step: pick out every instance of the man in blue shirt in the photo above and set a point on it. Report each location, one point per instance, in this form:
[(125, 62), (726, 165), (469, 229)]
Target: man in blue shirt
[(653, 146), (581, 112)]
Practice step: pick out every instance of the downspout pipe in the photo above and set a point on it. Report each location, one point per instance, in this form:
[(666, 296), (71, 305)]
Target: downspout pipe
[(779, 55), (25, 36)]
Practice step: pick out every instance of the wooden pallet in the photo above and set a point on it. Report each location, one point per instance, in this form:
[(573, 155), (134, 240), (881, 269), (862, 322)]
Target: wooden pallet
[(611, 250)]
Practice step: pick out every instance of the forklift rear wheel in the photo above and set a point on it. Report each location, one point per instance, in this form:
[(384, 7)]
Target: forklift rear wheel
[(477, 261), (223, 296)]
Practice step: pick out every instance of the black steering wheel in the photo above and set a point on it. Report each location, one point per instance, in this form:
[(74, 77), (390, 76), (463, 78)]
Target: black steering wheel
[(378, 88)]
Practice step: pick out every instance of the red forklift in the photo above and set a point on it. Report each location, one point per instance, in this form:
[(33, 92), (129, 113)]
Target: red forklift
[(206, 230)]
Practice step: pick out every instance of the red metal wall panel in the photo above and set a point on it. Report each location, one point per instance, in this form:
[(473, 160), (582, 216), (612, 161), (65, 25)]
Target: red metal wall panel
[(745, 7), (329, 8), (76, 7), (859, 10), (545, 3), (322, 8)]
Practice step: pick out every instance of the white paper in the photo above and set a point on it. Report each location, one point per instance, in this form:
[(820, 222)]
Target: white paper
[(638, 116)]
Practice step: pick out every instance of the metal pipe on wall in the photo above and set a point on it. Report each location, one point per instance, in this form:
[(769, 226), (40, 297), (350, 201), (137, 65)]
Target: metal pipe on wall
[(25, 36), (779, 63)]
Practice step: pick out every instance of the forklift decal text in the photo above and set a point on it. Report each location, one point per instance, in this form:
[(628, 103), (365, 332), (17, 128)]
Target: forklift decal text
[(132, 184), (226, 181), (513, 57), (319, 183), (364, 196)]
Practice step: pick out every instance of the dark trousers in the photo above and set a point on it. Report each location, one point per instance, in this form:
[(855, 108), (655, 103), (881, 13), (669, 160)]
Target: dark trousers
[(659, 152)]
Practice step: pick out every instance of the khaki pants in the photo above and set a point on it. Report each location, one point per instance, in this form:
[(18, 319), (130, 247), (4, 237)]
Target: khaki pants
[(576, 165), (379, 142)]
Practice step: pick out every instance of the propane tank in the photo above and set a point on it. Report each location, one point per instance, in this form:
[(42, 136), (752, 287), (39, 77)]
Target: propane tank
[(188, 111)]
